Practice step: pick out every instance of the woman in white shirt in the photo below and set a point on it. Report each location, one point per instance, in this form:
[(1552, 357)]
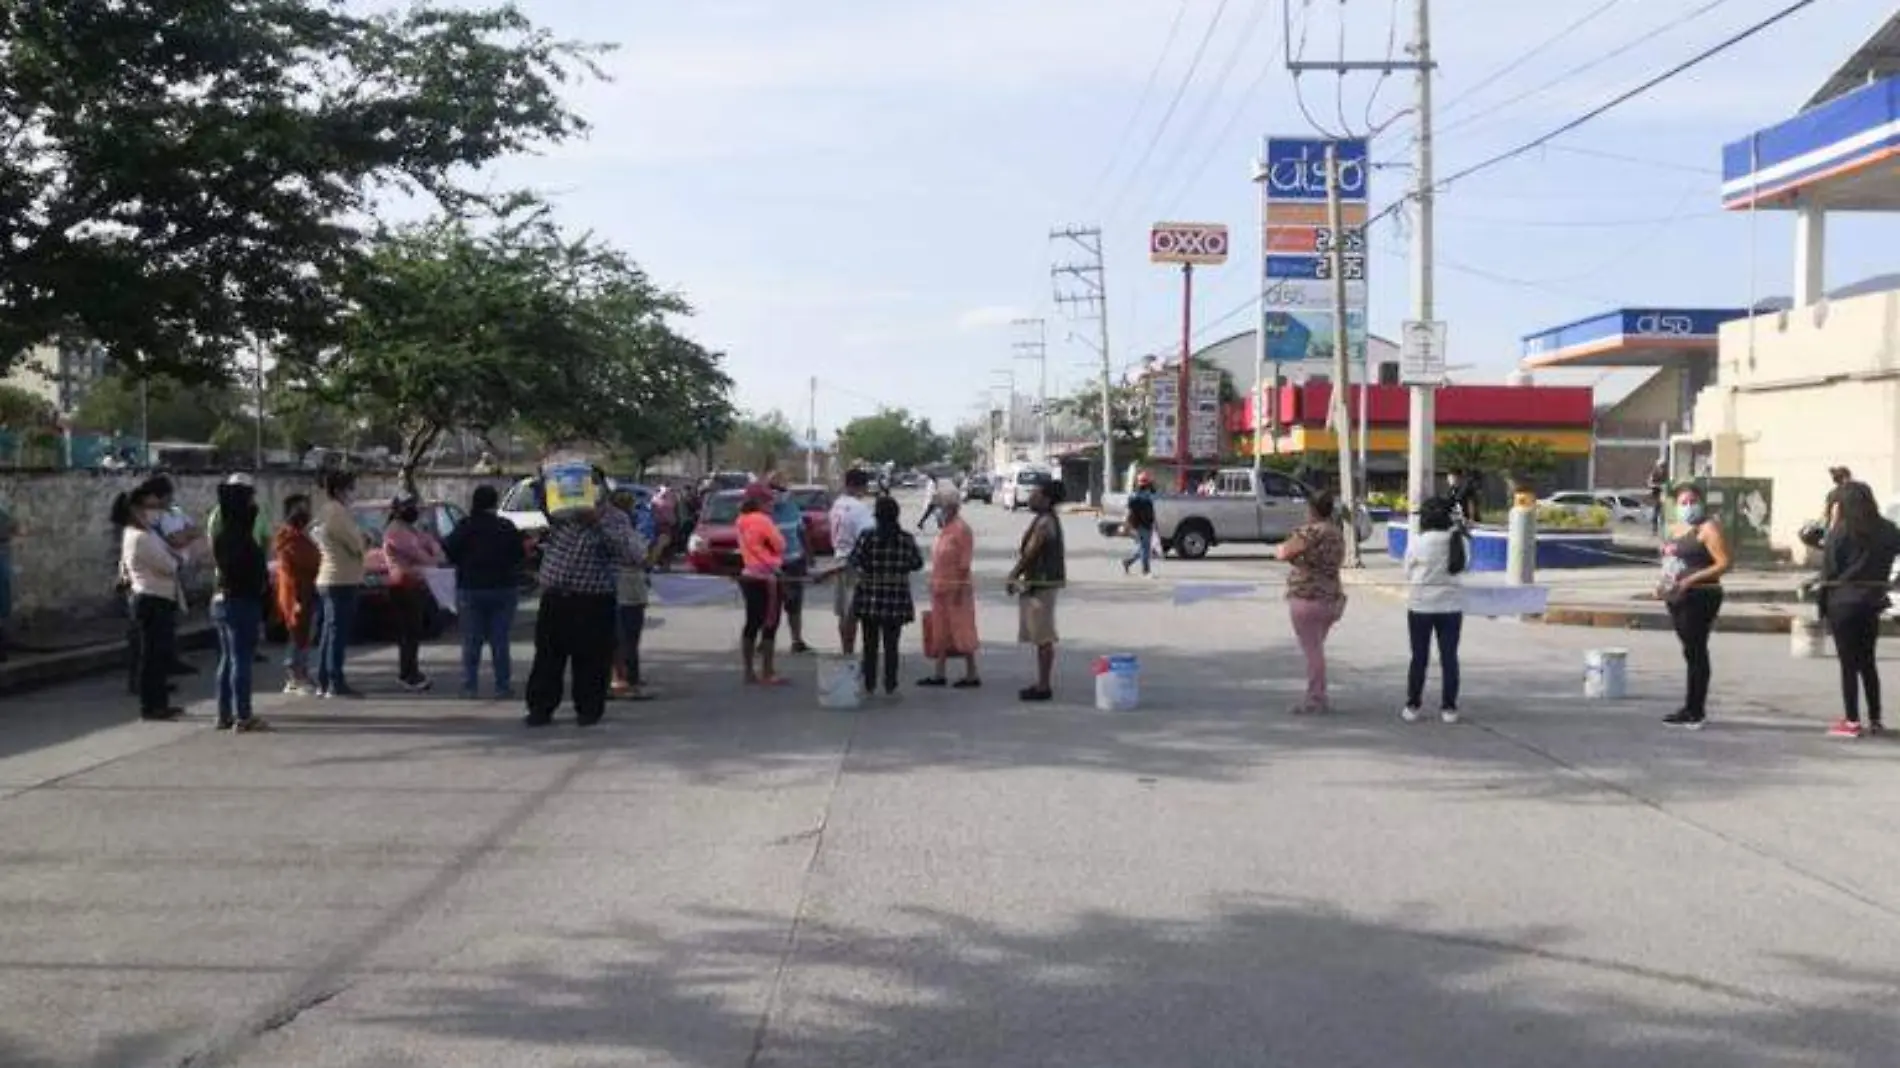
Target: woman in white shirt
[(1435, 556), (151, 567)]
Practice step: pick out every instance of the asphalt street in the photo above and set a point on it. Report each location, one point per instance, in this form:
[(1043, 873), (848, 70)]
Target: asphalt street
[(733, 878)]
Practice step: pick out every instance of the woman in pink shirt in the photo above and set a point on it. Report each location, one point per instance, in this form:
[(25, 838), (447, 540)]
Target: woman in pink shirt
[(410, 552), (761, 555)]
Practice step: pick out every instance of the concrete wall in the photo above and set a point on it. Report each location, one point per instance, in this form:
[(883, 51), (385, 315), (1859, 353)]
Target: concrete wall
[(66, 559), (1821, 389)]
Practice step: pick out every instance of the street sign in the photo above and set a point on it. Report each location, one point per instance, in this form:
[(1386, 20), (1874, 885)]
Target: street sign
[(1197, 243), (1422, 353), (1297, 241)]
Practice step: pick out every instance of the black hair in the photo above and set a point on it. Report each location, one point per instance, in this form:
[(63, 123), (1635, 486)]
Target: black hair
[(856, 479), (159, 486), (1321, 502), (336, 482), (125, 507), (749, 503), (1689, 488), (485, 499), (1860, 513), (1435, 514), (887, 512)]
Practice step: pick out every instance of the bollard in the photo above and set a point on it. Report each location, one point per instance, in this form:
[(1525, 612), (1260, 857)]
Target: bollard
[(1520, 547)]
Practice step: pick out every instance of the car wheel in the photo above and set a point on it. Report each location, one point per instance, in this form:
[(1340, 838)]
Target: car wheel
[(1193, 542)]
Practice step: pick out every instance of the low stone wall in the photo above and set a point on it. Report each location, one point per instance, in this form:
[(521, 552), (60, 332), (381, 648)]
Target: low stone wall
[(65, 560)]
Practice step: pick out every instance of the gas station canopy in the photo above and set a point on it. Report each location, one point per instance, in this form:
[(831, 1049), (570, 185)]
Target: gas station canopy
[(1840, 154), (1629, 337)]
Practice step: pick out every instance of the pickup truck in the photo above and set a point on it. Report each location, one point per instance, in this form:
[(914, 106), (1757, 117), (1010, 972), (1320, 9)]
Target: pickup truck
[(1246, 507)]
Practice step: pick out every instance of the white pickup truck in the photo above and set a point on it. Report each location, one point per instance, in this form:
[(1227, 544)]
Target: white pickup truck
[(1246, 506)]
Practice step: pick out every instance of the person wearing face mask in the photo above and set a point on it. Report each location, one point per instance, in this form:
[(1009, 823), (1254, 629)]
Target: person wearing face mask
[(241, 575), (410, 551), (341, 547), (297, 560), (795, 572), (1695, 557), (150, 569)]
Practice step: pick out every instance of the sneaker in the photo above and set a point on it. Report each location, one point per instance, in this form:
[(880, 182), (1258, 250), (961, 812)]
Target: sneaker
[(800, 648), (1845, 728), (419, 684), (1409, 714), (294, 688), (1679, 718), (344, 693), (1448, 716), (225, 724), (252, 725)]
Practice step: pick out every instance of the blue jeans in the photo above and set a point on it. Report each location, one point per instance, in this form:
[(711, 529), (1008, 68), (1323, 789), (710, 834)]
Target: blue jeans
[(339, 619), (238, 619), (1144, 549), (487, 618)]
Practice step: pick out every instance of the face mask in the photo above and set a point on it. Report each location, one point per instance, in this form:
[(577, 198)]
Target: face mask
[(1691, 511)]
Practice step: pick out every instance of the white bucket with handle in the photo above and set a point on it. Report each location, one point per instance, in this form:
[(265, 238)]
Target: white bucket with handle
[(1606, 674), (838, 684)]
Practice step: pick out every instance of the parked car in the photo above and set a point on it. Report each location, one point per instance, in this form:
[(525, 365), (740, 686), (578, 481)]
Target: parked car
[(979, 488), (1247, 506), (1014, 484), (815, 502), (714, 547), (1623, 507), (372, 612)]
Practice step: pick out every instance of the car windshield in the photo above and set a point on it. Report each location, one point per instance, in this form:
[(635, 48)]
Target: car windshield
[(1028, 478), (722, 508)]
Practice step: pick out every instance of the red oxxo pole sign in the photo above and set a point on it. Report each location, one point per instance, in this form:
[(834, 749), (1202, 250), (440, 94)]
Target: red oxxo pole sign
[(1188, 244)]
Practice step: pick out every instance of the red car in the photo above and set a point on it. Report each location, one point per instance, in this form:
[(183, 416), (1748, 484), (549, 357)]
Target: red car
[(714, 546)]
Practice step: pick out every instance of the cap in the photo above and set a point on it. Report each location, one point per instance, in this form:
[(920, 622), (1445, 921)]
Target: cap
[(239, 478)]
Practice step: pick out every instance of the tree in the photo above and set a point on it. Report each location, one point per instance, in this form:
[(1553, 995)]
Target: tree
[(891, 436), (969, 446), (1129, 406), (455, 328), (1468, 452), (686, 405), (1524, 460), (169, 410), (757, 443), (20, 410), (184, 181)]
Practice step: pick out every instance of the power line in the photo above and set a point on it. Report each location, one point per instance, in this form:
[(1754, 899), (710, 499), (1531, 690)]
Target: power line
[(1241, 42), (1154, 76), (1194, 66), (1597, 153), (1220, 139)]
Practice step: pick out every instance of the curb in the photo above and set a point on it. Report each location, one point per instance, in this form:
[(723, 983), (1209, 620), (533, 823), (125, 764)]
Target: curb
[(39, 670)]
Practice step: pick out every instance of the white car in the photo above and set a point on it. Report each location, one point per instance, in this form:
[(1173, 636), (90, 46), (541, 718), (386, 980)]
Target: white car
[(1623, 507)]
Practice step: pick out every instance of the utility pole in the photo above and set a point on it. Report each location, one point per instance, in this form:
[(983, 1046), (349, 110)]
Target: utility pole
[(1037, 349), (1342, 360), (811, 432), (1423, 424), (1090, 297), (1008, 375)]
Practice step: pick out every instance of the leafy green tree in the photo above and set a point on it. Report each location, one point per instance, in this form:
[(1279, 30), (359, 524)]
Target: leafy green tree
[(20, 410), (186, 180), (1468, 452), (458, 328), (175, 411), (757, 443), (968, 446), (682, 402), (892, 436), (1525, 460)]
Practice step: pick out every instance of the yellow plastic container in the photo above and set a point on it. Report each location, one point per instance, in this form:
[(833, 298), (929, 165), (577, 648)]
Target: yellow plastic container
[(569, 487)]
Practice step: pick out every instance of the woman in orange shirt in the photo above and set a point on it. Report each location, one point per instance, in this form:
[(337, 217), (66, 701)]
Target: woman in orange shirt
[(761, 555)]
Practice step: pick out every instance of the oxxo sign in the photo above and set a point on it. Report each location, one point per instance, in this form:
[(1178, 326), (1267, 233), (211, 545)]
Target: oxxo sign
[(1200, 243)]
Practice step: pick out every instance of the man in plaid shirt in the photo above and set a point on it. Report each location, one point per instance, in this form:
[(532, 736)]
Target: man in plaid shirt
[(581, 557)]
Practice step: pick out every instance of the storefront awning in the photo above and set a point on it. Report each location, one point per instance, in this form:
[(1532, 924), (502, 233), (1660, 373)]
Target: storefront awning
[(1629, 337)]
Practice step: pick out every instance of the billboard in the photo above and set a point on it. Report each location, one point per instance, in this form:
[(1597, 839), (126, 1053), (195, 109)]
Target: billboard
[(1297, 243), (1196, 243), (1205, 430)]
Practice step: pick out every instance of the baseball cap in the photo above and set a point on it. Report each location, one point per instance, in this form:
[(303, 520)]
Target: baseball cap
[(239, 478)]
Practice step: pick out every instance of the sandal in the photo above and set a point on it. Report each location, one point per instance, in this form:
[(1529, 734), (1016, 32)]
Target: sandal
[(934, 681)]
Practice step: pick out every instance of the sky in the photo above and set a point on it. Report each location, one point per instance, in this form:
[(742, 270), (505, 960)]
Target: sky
[(862, 193)]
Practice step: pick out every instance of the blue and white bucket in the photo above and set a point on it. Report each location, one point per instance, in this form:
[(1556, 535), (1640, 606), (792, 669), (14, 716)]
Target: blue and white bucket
[(1606, 674), (1118, 683)]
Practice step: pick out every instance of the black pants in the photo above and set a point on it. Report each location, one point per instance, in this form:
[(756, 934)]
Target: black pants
[(1448, 627), (575, 628), (880, 634), (1694, 614), (762, 607), (407, 607), (157, 619), (1856, 631)]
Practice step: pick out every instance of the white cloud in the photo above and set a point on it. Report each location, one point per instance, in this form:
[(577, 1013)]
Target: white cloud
[(989, 316)]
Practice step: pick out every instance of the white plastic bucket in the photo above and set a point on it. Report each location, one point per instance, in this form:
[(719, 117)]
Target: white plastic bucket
[(1606, 674), (838, 684), (1118, 683), (1807, 639)]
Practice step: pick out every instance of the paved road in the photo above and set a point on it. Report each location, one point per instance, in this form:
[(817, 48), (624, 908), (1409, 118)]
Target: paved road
[(728, 880)]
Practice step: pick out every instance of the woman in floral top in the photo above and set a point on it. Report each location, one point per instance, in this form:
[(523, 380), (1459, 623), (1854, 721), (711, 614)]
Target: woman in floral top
[(1313, 593)]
